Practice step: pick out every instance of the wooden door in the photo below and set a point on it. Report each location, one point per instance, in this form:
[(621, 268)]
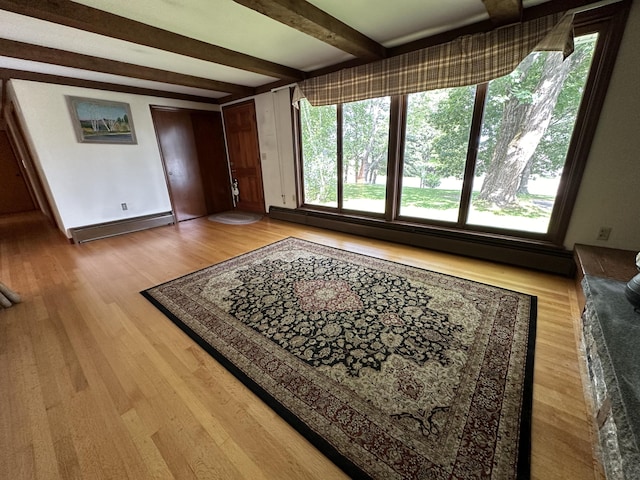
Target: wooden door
[(244, 154), (212, 156), (180, 155), (14, 194)]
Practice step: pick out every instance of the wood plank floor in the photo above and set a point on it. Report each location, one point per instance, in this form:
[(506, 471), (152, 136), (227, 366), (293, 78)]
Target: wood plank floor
[(95, 383)]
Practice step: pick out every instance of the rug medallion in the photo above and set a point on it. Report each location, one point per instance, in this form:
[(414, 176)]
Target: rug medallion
[(391, 370)]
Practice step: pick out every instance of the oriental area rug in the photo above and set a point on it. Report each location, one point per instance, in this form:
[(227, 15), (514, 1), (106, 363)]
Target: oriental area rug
[(392, 371)]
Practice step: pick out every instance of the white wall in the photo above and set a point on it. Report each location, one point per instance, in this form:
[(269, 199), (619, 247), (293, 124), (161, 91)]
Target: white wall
[(609, 195), (86, 183)]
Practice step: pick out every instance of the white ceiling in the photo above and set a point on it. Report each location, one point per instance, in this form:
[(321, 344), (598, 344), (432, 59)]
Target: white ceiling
[(233, 26)]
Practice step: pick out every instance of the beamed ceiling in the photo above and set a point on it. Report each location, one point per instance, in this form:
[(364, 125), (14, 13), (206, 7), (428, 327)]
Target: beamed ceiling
[(219, 50)]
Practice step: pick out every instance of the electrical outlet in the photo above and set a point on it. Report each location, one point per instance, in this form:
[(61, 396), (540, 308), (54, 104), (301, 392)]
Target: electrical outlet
[(603, 233), (124, 206)]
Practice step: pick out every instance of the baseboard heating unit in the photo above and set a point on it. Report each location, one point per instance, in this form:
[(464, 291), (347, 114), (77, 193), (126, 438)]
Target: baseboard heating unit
[(119, 227)]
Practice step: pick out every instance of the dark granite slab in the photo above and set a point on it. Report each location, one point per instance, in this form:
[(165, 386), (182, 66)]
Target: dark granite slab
[(615, 328)]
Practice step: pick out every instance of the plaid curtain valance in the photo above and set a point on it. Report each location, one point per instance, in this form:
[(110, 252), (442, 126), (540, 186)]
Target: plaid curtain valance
[(467, 60)]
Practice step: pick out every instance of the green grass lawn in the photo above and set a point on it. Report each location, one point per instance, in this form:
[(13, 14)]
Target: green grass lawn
[(531, 206)]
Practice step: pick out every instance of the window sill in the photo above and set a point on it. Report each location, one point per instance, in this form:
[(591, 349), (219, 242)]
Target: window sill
[(530, 253)]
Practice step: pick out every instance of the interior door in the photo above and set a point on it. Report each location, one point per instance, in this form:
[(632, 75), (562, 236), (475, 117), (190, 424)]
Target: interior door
[(241, 132), (180, 155), (212, 156)]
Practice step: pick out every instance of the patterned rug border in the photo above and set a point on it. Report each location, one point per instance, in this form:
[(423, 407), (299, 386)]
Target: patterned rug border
[(316, 440), (348, 467)]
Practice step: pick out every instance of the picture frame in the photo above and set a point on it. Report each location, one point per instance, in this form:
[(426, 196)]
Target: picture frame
[(101, 121)]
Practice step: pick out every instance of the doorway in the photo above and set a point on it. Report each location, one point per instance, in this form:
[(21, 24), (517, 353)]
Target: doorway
[(192, 149), (14, 193), (30, 175)]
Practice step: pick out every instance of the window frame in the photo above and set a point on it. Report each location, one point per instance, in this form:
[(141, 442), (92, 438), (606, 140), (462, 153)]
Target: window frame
[(339, 169), (608, 22)]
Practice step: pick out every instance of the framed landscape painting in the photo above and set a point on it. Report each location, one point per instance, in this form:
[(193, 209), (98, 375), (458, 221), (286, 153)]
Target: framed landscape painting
[(101, 121)]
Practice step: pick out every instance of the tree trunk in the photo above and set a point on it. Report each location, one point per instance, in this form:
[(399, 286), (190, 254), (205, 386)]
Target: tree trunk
[(522, 128), (367, 161), (362, 171), (523, 187)]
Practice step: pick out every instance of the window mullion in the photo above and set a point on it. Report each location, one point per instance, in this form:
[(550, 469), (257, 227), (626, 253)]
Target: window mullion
[(472, 153), (394, 162), (339, 157)]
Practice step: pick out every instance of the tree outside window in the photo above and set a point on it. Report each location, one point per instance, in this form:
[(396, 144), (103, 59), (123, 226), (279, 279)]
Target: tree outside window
[(524, 130)]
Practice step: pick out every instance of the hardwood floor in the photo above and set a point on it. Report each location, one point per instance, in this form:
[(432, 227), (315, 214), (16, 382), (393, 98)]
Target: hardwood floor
[(96, 383)]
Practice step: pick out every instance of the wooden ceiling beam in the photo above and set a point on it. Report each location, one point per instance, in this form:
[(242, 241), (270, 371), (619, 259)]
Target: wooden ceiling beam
[(503, 12), (309, 19), (36, 53), (82, 17), (7, 74)]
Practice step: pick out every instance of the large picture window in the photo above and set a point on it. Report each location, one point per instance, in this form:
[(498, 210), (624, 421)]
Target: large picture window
[(499, 157), (319, 132), (365, 146), (436, 138), (345, 153), (528, 121)]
